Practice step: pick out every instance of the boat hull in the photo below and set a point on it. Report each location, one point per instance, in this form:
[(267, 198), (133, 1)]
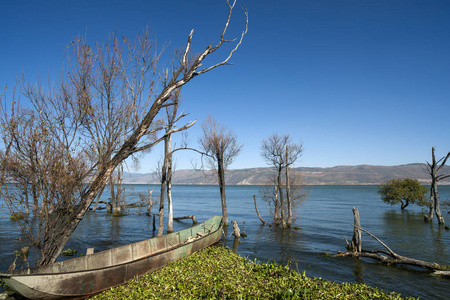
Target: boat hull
[(100, 271)]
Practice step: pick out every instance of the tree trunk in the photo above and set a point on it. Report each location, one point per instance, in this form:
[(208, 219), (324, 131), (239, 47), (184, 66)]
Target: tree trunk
[(35, 199), (169, 186), (288, 191), (150, 201), (98, 200), (27, 203), (113, 193), (257, 212), (119, 197), (356, 240), (280, 191), (276, 215), (161, 210), (404, 205), (433, 169), (109, 208), (437, 208), (56, 239), (221, 177), (236, 230), (170, 208), (430, 216), (163, 189)]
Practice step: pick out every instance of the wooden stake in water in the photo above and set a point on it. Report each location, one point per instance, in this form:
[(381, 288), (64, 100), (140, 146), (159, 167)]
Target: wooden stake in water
[(356, 240)]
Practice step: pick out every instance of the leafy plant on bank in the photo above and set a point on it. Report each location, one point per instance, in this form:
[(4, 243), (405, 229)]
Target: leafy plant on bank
[(217, 273)]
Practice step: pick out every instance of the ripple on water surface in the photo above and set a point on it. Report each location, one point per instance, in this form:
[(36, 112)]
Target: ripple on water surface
[(324, 220)]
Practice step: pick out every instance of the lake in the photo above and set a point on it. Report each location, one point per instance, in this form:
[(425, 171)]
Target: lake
[(324, 222)]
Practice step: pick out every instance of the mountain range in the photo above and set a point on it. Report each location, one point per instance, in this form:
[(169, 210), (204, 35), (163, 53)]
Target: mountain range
[(339, 175)]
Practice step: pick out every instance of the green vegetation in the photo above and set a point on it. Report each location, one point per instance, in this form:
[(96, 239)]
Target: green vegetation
[(217, 273), (404, 191), (16, 216), (2, 284), (69, 252)]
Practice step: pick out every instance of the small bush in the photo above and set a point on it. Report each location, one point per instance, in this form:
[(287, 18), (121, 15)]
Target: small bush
[(69, 252)]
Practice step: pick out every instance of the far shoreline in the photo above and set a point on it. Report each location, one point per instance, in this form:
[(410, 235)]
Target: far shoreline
[(359, 175)]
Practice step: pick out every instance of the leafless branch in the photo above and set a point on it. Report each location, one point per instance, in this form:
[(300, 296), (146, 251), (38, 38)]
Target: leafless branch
[(105, 108), (222, 40), (378, 240)]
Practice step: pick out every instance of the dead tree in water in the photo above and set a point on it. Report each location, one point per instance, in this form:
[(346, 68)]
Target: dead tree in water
[(356, 240), (171, 113), (115, 186), (166, 171), (98, 200), (434, 169), (192, 217), (236, 230), (387, 256), (257, 212), (150, 200), (281, 152), (220, 147)]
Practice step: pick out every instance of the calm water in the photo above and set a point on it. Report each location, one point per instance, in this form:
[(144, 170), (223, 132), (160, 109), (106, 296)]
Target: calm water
[(324, 220)]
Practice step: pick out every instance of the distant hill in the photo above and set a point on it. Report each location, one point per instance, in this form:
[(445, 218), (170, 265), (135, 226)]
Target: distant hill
[(339, 175)]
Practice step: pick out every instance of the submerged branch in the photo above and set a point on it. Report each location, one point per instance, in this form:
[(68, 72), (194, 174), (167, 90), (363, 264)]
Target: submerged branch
[(389, 257)]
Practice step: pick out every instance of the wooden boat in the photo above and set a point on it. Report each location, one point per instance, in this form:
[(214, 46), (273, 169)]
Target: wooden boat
[(88, 275)]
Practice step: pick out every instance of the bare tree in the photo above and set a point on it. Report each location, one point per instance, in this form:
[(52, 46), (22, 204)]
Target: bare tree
[(53, 170), (103, 110), (296, 190), (166, 168), (434, 169), (220, 147), (281, 152), (23, 163)]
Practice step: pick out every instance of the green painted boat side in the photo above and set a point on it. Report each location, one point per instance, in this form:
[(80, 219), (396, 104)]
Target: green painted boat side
[(88, 275)]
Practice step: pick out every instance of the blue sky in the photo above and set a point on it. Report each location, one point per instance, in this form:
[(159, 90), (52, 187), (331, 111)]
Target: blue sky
[(358, 82)]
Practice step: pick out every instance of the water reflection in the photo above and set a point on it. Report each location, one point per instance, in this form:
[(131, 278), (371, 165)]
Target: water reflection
[(438, 244), (358, 270), (114, 230), (407, 234), (288, 243), (236, 243), (400, 218)]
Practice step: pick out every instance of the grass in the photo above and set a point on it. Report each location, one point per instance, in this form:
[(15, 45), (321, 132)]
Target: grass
[(218, 273)]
